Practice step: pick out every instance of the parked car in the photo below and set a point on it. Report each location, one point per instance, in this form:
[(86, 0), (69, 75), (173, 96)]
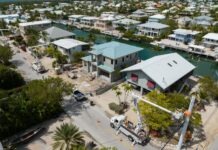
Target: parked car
[(38, 67), (79, 96)]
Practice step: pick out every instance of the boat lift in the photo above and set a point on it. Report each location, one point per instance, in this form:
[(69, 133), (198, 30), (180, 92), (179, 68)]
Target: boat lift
[(176, 115)]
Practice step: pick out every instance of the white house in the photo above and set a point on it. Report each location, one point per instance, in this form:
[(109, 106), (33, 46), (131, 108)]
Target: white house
[(37, 25), (126, 23), (75, 19), (156, 18), (68, 46), (150, 11), (210, 40), (183, 35), (88, 21), (9, 18), (138, 14), (152, 29), (160, 72)]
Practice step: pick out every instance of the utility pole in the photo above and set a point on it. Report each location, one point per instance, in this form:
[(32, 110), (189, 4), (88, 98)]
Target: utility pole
[(185, 126), (176, 115)]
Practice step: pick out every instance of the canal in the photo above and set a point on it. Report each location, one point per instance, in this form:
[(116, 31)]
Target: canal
[(204, 66)]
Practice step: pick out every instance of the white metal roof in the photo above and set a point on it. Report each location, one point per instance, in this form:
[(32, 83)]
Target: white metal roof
[(34, 23), (154, 25), (68, 43), (157, 16), (9, 16), (213, 36), (164, 69), (185, 32), (76, 16)]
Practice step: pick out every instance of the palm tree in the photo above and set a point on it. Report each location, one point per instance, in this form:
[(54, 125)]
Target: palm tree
[(117, 91), (67, 137), (127, 89)]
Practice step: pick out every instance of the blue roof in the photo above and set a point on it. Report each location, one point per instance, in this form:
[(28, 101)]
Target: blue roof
[(106, 68), (87, 58), (114, 49)]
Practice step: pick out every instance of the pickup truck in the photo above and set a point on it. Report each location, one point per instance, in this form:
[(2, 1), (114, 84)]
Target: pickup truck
[(79, 96)]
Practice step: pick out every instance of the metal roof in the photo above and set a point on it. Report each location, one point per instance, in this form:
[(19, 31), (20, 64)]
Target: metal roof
[(127, 21), (87, 58), (157, 16), (35, 23), (154, 25), (213, 36), (164, 69), (106, 68), (68, 43), (114, 49), (55, 32), (185, 32)]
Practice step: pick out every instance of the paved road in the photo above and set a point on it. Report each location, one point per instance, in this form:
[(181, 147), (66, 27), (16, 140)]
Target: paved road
[(93, 120), (25, 67), (214, 145)]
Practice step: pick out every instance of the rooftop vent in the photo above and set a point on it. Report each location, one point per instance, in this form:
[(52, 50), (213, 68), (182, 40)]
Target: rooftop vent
[(169, 64), (175, 62)]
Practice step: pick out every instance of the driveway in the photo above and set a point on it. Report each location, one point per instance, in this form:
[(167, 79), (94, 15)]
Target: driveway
[(93, 120)]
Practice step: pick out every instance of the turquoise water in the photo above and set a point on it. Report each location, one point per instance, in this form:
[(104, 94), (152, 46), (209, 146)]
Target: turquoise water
[(204, 66)]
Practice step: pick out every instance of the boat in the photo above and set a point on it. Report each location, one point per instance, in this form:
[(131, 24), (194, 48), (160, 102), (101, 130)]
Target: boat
[(27, 136)]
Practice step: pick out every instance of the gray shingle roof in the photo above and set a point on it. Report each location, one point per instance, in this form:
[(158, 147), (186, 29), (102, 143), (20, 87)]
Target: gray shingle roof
[(55, 33)]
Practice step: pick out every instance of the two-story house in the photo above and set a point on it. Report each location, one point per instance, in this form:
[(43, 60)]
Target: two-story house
[(183, 35), (210, 40), (109, 58), (36, 25), (75, 19), (204, 21), (152, 29), (128, 24), (104, 22), (161, 72), (138, 14), (68, 46), (88, 21)]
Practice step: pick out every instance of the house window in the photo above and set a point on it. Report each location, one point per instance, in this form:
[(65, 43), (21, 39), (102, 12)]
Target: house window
[(127, 56), (123, 59), (104, 58), (130, 56), (115, 61), (112, 61), (134, 77), (150, 84)]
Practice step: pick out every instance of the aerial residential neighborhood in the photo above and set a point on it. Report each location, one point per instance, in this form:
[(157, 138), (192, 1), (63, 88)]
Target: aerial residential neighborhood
[(108, 74)]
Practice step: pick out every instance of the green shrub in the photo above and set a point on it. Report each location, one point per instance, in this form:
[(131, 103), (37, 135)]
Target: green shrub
[(116, 108)]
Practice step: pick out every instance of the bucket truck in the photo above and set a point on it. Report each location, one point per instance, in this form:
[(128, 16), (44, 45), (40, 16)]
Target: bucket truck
[(136, 134)]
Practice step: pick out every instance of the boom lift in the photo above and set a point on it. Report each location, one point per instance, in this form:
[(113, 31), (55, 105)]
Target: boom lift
[(117, 122)]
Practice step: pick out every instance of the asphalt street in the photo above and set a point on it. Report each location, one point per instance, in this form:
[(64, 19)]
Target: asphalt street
[(93, 120)]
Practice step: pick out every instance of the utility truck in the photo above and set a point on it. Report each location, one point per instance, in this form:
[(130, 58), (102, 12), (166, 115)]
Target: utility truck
[(135, 134)]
